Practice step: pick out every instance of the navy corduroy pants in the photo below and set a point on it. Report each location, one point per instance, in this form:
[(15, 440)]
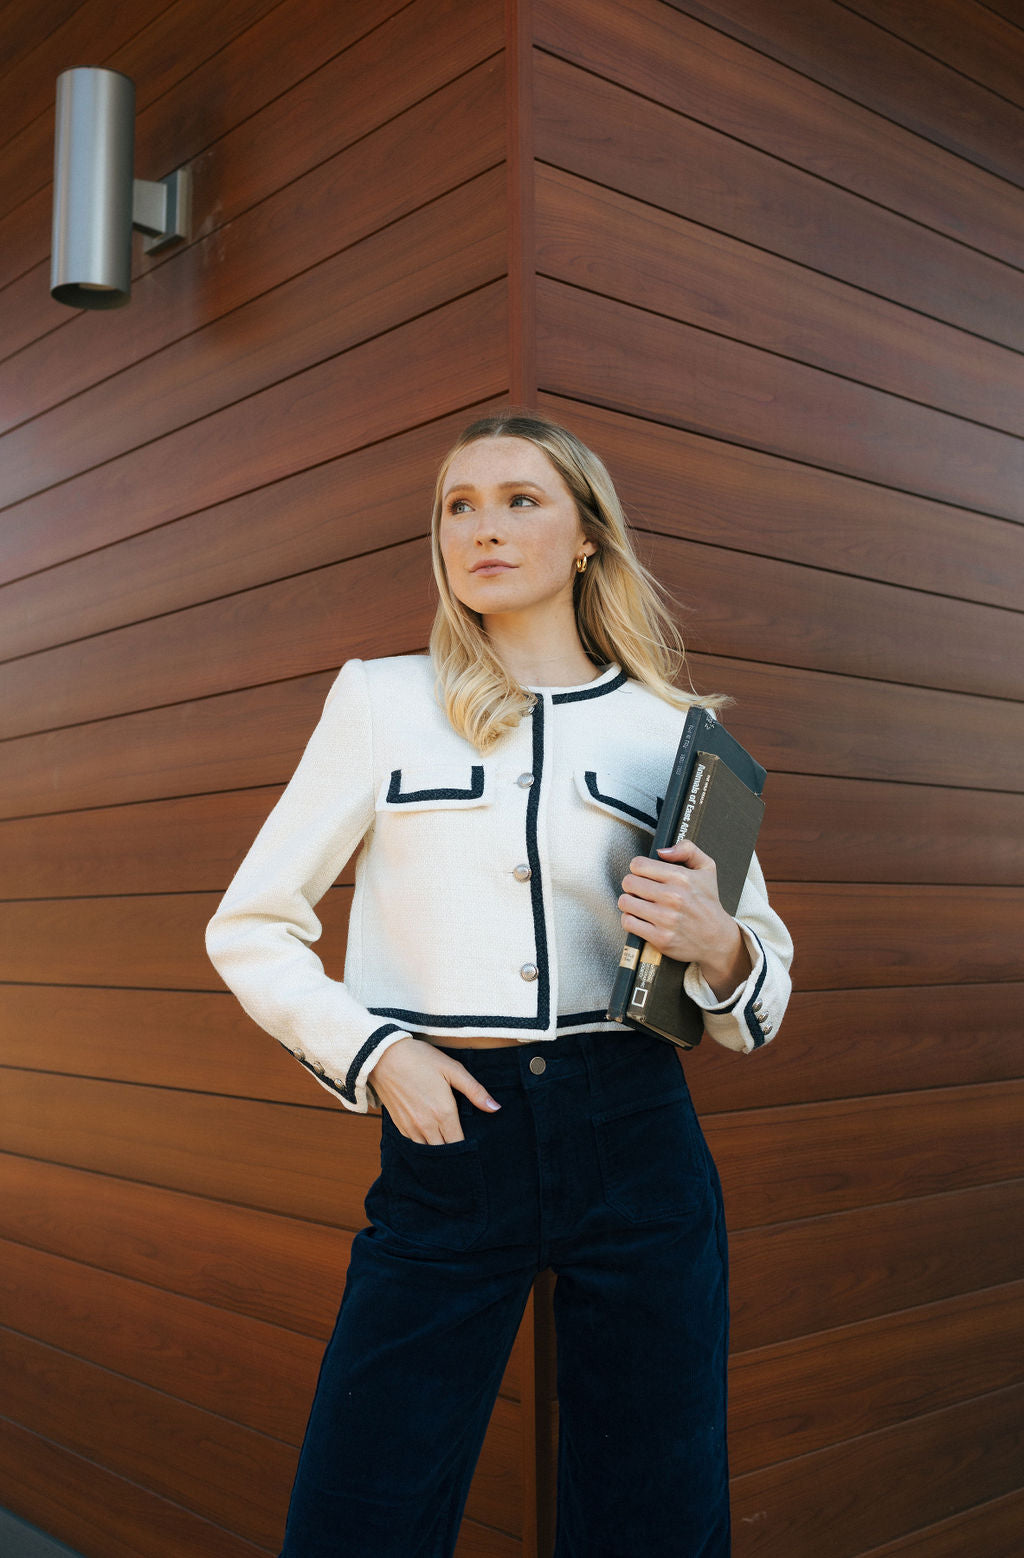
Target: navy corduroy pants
[(596, 1167)]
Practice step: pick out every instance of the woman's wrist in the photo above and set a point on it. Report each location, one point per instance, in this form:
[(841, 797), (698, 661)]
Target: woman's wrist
[(727, 964)]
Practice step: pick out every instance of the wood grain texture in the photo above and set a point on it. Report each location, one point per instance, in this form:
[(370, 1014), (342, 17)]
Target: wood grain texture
[(422, 153), (394, 275), (596, 238), (971, 1450), (992, 1528), (921, 87), (668, 159), (626, 359), (799, 1396), (658, 51), (104, 1515), (871, 1261), (683, 484), (369, 393)]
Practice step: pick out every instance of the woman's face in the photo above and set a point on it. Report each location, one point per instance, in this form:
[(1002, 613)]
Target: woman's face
[(509, 530)]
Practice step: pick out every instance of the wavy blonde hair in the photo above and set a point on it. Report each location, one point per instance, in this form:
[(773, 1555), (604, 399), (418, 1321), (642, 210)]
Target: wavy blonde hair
[(620, 614)]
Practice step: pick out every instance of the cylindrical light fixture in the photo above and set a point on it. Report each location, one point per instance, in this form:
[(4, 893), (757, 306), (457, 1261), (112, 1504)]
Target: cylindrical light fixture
[(96, 199), (93, 188)]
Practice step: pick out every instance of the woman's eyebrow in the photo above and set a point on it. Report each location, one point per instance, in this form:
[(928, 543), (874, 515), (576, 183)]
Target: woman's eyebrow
[(503, 486)]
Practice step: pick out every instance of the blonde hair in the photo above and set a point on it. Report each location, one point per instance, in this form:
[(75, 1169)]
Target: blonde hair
[(620, 615)]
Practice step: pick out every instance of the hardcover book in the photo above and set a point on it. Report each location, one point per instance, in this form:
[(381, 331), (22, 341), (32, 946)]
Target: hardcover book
[(714, 798)]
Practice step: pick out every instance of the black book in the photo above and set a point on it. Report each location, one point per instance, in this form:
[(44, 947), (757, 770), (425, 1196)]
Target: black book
[(702, 733)]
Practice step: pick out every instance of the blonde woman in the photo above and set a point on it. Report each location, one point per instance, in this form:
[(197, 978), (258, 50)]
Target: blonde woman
[(504, 789)]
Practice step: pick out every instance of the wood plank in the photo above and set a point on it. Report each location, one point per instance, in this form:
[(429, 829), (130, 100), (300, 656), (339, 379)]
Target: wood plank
[(657, 51), (220, 635), (818, 829), (972, 1452), (888, 934), (698, 488), (217, 1469), (173, 44), (668, 159), (263, 112), (778, 1165), (289, 527), (798, 1396), (620, 357), (855, 830), (735, 605), (24, 28), (783, 1164), (92, 30), (846, 1043), (816, 723), (787, 1279), (593, 237), (899, 934), (280, 1270), (369, 393), (388, 279), (872, 66), (970, 38), (993, 1529), (834, 1043), (186, 1349), (229, 1475), (91, 1509), (415, 157)]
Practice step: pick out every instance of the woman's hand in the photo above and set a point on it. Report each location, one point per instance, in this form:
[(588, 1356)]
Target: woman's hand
[(673, 903), (414, 1080)]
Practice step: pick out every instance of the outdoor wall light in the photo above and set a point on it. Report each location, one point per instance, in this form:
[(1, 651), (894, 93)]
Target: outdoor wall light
[(97, 201)]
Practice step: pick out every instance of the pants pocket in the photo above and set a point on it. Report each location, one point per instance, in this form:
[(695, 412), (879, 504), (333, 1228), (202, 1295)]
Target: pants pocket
[(435, 1193), (653, 1158)]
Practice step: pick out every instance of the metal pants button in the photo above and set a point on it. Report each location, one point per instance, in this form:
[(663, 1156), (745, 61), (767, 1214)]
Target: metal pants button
[(538, 1064)]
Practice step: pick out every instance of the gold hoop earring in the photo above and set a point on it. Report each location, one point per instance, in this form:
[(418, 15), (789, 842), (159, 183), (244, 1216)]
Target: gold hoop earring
[(581, 564)]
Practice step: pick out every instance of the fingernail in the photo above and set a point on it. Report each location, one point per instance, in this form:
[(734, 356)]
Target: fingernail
[(492, 1103)]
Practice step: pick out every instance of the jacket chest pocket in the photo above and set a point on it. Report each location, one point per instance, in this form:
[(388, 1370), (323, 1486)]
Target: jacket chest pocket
[(618, 797), (434, 787)]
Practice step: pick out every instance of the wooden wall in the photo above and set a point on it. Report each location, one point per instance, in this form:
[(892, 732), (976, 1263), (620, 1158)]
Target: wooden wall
[(779, 252), (768, 258), (210, 499)]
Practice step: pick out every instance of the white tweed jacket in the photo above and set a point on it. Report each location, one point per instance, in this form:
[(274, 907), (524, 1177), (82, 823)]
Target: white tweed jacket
[(486, 886)]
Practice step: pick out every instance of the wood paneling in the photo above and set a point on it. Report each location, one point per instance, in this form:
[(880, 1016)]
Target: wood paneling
[(881, 1485), (673, 161), (993, 1529)]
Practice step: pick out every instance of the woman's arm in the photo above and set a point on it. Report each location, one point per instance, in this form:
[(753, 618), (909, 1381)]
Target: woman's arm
[(260, 938)]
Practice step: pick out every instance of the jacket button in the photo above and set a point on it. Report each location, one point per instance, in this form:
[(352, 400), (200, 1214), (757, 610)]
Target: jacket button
[(528, 971), (298, 1054), (538, 1064), (522, 873), (524, 781), (318, 1068)]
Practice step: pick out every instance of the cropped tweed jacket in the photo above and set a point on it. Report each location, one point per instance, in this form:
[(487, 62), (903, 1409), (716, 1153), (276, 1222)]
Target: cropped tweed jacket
[(486, 886)]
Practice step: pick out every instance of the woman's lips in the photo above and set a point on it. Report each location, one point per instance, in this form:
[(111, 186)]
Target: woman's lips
[(493, 568)]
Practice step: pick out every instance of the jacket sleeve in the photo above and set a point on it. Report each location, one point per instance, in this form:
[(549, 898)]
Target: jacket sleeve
[(751, 1015), (260, 937)]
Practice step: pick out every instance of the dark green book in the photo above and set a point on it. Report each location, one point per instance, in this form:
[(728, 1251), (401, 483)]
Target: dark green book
[(701, 732), (722, 817)]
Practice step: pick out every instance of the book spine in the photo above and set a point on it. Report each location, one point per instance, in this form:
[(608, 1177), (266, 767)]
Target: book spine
[(664, 833), (689, 827)]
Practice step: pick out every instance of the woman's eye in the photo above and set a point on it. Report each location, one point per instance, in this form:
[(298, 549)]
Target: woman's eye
[(455, 507), (523, 497)]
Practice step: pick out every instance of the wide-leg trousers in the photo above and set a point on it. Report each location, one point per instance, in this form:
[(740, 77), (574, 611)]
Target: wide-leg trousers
[(596, 1167)]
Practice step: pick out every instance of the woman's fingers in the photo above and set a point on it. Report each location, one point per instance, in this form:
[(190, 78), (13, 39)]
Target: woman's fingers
[(414, 1082)]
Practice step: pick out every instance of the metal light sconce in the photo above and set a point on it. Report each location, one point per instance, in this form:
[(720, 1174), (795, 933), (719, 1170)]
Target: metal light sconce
[(96, 199)]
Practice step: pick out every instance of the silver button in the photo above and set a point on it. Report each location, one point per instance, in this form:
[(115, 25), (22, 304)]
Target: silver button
[(298, 1054), (524, 781), (522, 873), (538, 1064), (528, 971), (318, 1068)]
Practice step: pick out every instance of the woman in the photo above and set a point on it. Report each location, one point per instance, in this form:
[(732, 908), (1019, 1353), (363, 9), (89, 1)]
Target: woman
[(505, 789)]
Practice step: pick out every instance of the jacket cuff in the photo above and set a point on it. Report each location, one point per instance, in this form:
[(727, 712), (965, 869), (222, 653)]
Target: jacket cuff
[(351, 1086), (747, 1018)]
